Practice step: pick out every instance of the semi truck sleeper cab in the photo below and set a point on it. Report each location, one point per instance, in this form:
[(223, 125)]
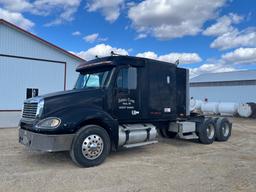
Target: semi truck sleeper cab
[(117, 102)]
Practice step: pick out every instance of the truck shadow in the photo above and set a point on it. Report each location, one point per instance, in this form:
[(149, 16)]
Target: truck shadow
[(178, 142), (60, 159), (174, 142)]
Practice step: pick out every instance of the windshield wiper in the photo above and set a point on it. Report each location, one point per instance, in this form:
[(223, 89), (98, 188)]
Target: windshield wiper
[(87, 79)]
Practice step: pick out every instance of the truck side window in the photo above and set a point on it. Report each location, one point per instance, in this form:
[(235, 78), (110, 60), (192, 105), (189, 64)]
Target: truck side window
[(127, 78)]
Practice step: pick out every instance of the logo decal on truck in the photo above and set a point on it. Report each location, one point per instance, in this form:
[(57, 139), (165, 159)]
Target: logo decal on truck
[(134, 112), (126, 103)]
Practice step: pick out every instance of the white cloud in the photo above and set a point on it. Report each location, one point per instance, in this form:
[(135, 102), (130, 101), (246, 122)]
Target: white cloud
[(240, 56), (94, 37), (228, 36), (223, 25), (235, 39), (184, 58), (148, 54), (16, 18), (76, 33), (210, 68), (63, 10), (101, 50), (16, 5), (166, 19), (227, 62), (141, 36), (91, 38), (109, 8)]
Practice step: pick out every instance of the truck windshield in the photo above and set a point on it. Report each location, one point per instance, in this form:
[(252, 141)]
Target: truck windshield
[(93, 79)]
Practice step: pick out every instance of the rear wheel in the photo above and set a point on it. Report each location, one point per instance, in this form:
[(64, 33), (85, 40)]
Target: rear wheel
[(91, 146), (223, 129), (206, 133)]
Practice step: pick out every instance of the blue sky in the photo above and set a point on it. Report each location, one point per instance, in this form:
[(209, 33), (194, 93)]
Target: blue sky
[(206, 36)]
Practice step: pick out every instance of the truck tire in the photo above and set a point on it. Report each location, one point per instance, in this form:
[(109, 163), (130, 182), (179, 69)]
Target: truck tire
[(91, 146), (207, 131), (167, 134), (223, 129)]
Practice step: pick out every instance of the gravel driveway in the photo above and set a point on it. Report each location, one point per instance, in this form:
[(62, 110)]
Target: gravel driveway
[(170, 165)]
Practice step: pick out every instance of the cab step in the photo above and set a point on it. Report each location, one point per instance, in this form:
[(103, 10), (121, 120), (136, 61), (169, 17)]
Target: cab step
[(188, 136), (139, 144)]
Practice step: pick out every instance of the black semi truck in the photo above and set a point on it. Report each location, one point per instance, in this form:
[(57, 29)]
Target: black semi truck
[(117, 102)]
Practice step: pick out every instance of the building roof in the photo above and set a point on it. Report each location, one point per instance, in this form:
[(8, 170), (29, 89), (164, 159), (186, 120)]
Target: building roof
[(2, 21), (225, 76)]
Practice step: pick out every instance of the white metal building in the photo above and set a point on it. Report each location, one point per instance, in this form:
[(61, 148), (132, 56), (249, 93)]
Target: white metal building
[(237, 86), (27, 61)]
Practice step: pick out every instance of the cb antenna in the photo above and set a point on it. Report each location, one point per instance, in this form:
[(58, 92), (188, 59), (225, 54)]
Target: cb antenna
[(177, 62)]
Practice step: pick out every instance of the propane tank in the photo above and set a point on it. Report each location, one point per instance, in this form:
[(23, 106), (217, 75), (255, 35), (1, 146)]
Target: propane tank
[(210, 107), (195, 105), (192, 104), (199, 104), (244, 110), (227, 108)]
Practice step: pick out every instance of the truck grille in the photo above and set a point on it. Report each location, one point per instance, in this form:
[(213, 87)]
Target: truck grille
[(29, 110)]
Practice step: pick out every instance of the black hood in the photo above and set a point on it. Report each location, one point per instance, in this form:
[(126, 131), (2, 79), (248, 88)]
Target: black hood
[(65, 100)]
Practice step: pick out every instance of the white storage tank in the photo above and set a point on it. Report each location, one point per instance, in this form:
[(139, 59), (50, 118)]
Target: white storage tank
[(228, 108), (210, 107), (195, 105), (244, 110)]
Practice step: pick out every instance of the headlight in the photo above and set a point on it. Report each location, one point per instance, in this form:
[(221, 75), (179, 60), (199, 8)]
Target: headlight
[(51, 122), (40, 107)]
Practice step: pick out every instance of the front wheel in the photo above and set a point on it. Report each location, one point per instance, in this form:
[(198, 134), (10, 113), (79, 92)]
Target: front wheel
[(90, 146)]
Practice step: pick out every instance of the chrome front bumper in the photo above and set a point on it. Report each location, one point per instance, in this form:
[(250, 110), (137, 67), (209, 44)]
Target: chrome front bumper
[(43, 142)]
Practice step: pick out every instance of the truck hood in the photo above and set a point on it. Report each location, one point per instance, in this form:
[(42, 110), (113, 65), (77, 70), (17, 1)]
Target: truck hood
[(65, 100)]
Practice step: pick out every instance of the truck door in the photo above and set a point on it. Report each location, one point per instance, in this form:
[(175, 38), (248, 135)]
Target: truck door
[(127, 94)]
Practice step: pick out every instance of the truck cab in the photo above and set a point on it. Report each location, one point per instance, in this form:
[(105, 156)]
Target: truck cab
[(117, 101)]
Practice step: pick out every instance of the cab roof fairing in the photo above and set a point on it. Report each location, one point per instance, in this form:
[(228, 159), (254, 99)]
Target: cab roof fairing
[(111, 61), (119, 60), (85, 66)]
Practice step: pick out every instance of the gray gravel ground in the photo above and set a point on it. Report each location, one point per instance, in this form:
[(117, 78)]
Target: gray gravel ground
[(170, 165)]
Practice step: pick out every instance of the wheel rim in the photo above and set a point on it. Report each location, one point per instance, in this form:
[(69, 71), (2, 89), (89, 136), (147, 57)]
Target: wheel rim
[(92, 146), (225, 129), (210, 131)]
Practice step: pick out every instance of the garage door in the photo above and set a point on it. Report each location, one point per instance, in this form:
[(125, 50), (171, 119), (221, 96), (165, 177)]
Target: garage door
[(18, 74)]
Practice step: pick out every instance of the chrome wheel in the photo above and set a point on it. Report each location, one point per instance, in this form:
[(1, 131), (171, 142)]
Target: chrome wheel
[(210, 131), (92, 147), (225, 130)]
